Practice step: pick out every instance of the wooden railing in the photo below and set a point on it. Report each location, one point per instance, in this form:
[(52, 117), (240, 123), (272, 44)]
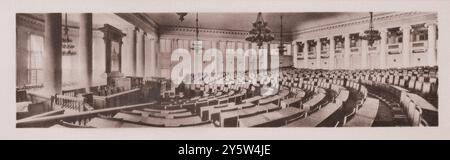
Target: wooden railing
[(69, 102), (76, 118), (73, 92), (119, 99)]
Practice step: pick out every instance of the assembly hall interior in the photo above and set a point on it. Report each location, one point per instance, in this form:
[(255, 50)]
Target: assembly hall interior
[(187, 69)]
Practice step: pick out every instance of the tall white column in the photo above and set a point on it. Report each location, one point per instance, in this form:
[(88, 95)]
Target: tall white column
[(382, 49), (247, 57), (149, 47), (294, 53), (153, 63), (331, 64), (432, 54), (198, 60), (318, 63), (140, 51), (364, 49), (406, 44), (222, 60), (229, 65), (346, 51), (52, 57), (85, 49), (305, 54), (132, 50)]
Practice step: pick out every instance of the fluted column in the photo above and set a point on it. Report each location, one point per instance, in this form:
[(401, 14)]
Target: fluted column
[(382, 49), (132, 50), (318, 44), (432, 55), (364, 50), (140, 57), (269, 57), (305, 54), (153, 63), (406, 45), (247, 57), (332, 53), (52, 57), (294, 54), (346, 51), (85, 49)]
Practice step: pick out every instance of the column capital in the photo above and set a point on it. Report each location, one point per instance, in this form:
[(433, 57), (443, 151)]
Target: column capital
[(346, 35), (331, 37), (361, 34), (304, 41), (405, 27), (140, 32), (317, 40), (432, 24), (132, 29), (383, 30)]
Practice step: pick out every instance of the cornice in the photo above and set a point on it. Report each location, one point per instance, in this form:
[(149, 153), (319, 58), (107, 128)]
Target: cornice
[(379, 18), (167, 31), (189, 31), (29, 21)]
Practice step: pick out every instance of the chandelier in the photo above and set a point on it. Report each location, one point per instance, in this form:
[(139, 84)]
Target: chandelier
[(260, 32), (371, 35), (281, 48), (181, 15), (197, 45), (67, 43)]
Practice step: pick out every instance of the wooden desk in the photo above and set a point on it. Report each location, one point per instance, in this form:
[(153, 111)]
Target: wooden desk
[(313, 101), (287, 102), (343, 95), (365, 116), (265, 118), (422, 103), (316, 118)]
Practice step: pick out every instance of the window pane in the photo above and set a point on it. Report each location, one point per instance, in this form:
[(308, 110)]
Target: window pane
[(35, 62)]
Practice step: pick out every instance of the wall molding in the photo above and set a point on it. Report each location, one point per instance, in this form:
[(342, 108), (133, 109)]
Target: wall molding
[(429, 16), (29, 21), (184, 32)]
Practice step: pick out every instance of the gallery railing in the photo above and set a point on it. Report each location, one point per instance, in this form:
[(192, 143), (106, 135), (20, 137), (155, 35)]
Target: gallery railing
[(119, 99), (77, 118)]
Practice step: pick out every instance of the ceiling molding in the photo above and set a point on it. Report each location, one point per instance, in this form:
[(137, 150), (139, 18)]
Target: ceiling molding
[(29, 21), (190, 32), (167, 29), (362, 21)]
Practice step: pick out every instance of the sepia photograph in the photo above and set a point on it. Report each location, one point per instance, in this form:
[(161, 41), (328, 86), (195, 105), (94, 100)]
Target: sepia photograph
[(226, 69)]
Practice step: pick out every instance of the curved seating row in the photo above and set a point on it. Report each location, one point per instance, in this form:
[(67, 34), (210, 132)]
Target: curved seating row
[(364, 116)]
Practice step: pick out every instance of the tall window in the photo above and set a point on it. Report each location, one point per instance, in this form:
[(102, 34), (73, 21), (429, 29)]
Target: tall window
[(35, 50)]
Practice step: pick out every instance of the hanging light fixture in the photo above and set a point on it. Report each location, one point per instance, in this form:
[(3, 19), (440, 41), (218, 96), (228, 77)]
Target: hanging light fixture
[(260, 32), (181, 14), (67, 43), (197, 44), (371, 35), (281, 48)]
